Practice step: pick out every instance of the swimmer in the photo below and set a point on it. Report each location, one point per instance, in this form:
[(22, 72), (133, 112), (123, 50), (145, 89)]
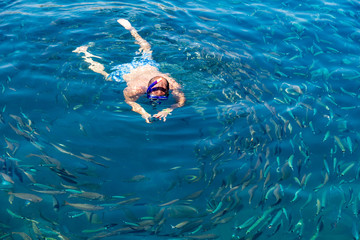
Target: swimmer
[(142, 77)]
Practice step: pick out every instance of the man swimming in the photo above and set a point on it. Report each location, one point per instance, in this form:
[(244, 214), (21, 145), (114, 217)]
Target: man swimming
[(142, 77)]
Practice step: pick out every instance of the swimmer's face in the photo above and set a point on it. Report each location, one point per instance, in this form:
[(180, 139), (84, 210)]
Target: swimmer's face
[(158, 87), (158, 90)]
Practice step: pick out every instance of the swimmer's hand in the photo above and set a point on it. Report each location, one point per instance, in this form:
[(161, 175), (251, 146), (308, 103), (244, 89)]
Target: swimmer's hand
[(125, 23), (147, 117), (163, 114)]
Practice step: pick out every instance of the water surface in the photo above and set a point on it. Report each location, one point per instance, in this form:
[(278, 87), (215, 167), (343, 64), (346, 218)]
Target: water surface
[(269, 129)]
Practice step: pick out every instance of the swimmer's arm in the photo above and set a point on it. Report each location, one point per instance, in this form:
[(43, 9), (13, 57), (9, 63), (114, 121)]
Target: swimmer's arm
[(180, 99), (144, 45), (130, 99), (177, 93)]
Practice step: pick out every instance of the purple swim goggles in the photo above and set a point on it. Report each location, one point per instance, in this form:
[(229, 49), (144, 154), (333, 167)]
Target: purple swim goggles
[(154, 97)]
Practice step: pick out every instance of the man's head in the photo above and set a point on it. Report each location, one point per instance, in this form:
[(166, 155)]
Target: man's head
[(158, 88)]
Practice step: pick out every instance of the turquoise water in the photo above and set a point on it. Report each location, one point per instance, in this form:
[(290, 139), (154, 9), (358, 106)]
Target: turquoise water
[(266, 146)]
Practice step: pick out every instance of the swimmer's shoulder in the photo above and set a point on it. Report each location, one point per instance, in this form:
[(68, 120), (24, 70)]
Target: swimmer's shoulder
[(142, 72), (133, 90), (172, 83)]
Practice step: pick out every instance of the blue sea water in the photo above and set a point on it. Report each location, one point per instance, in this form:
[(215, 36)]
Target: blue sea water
[(266, 146)]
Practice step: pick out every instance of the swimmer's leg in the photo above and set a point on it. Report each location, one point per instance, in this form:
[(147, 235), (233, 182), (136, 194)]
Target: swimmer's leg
[(145, 47), (94, 66)]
